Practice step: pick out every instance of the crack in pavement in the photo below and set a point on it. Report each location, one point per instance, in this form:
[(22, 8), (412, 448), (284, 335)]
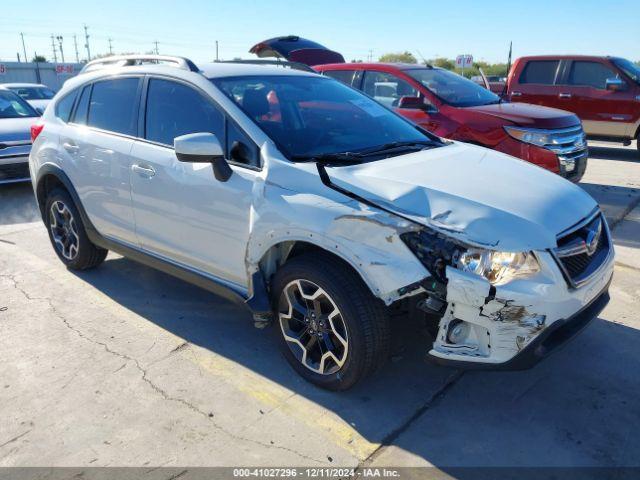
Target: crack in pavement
[(145, 378), (431, 402), (17, 437)]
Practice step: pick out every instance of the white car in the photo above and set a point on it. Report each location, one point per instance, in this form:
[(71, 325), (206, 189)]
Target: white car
[(36, 94), (319, 209), (16, 120)]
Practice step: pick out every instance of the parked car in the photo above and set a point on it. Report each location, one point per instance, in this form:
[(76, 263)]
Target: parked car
[(16, 119), (36, 94), (454, 107), (603, 91), (321, 210), (496, 83)]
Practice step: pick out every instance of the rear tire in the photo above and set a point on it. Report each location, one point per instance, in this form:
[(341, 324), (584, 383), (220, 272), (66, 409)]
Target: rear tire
[(68, 235), (322, 305)]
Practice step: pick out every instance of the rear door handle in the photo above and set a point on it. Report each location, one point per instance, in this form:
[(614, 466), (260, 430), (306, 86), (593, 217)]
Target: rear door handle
[(564, 95), (145, 171), (70, 147), (516, 94)]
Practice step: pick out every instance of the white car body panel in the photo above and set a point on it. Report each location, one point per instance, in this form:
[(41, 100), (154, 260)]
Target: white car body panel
[(232, 230)]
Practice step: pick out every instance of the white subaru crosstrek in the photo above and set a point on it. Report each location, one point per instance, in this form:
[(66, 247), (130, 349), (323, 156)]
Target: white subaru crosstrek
[(321, 210)]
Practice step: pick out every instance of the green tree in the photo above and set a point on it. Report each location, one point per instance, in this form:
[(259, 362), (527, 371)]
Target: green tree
[(39, 59), (398, 57)]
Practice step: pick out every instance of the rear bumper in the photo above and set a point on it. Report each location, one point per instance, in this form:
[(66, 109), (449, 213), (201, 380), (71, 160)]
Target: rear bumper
[(548, 341)]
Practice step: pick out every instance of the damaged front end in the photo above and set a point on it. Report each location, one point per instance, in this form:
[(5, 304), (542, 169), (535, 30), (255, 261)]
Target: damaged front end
[(490, 305)]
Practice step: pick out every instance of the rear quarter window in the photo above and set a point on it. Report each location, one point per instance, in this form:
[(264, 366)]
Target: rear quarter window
[(542, 72), (65, 105), (344, 76)]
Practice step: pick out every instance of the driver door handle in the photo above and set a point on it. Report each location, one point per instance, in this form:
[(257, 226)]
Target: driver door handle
[(564, 95), (143, 171)]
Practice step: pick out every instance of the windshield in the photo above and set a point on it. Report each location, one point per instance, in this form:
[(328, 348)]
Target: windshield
[(453, 88), (630, 68), (313, 115), (12, 106), (34, 93)]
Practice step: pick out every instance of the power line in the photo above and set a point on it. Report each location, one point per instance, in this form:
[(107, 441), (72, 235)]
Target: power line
[(24, 49), (75, 45), (86, 42), (59, 38), (53, 47)]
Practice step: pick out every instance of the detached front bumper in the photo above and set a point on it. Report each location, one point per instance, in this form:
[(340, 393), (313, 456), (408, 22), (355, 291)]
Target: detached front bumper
[(515, 325), (548, 341)]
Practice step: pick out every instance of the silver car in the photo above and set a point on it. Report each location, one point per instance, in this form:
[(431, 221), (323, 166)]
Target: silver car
[(36, 94), (16, 119)]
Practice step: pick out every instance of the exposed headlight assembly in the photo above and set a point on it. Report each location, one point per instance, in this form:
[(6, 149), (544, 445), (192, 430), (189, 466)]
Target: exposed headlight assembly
[(498, 267), (530, 135)]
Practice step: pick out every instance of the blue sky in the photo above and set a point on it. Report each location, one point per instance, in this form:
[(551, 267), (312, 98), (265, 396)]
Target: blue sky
[(353, 27)]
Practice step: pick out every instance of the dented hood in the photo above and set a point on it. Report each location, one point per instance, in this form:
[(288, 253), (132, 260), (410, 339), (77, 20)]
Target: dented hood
[(527, 115), (471, 193)]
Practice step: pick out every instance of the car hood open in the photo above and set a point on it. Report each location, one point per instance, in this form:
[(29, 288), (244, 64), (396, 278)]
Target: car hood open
[(476, 195), (296, 49), (527, 115)]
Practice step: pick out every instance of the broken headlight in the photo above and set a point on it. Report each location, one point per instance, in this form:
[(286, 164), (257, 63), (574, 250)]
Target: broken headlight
[(498, 267), (529, 135)]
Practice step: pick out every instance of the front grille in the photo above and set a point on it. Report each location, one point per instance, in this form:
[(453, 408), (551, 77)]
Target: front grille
[(570, 145), (581, 252), (14, 172)]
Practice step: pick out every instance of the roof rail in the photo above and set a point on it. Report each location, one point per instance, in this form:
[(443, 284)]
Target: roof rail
[(278, 63), (132, 60)]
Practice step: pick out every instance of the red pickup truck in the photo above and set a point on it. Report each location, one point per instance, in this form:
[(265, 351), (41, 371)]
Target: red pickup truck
[(603, 91), (452, 106)]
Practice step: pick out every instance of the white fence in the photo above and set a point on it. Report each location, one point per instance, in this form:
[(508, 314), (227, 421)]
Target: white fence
[(53, 75)]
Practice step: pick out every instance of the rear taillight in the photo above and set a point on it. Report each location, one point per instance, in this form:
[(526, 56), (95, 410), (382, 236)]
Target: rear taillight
[(36, 130)]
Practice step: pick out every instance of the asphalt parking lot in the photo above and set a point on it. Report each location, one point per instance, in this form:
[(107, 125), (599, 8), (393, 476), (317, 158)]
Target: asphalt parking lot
[(125, 366)]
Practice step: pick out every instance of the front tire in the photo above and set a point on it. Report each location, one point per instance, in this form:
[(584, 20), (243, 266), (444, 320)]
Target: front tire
[(68, 235), (333, 331)]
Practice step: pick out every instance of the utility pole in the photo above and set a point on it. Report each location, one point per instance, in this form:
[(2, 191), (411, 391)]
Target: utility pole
[(110, 47), (217, 51), (370, 56), (86, 42), (53, 46), (59, 38), (24, 50), (156, 44), (75, 45)]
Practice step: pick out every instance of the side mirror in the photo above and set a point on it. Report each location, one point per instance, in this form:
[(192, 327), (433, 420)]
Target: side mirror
[(615, 84), (203, 148), (416, 103)]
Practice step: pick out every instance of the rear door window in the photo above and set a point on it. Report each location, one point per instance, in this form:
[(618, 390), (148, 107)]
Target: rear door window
[(344, 76), (542, 72), (590, 74), (175, 109), (386, 88), (114, 105)]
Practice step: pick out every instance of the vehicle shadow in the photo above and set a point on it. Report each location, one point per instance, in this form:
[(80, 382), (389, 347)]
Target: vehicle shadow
[(18, 204), (577, 407), (613, 153)]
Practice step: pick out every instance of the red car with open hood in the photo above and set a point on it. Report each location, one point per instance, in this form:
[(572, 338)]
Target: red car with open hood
[(453, 107)]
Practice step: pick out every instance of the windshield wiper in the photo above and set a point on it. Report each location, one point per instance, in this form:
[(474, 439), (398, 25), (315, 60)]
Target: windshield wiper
[(339, 157), (415, 145)]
